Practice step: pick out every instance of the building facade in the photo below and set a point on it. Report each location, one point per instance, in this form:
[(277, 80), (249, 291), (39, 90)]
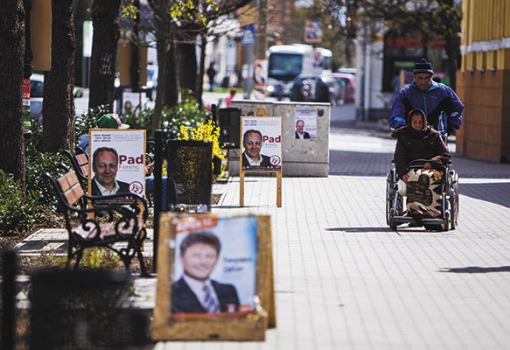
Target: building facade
[(483, 83)]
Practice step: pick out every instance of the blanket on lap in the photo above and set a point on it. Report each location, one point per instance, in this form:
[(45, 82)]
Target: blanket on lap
[(424, 188)]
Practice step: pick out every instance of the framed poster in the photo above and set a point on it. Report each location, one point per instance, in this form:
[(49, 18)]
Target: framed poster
[(118, 161), (313, 32), (261, 139), (213, 279)]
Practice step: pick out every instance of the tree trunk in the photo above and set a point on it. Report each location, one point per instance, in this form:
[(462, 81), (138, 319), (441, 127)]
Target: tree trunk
[(201, 71), (81, 13), (171, 87), (188, 66), (167, 92), (135, 68), (12, 44), (162, 49), (105, 19), (58, 107)]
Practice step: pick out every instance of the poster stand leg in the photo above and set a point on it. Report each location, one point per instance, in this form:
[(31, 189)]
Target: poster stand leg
[(279, 189), (241, 188)]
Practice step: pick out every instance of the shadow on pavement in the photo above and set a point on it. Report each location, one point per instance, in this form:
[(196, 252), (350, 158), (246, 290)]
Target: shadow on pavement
[(359, 163), (359, 229), (497, 193), (476, 269)]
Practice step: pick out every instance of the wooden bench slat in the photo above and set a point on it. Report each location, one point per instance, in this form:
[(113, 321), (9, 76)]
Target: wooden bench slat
[(71, 187), (83, 162)]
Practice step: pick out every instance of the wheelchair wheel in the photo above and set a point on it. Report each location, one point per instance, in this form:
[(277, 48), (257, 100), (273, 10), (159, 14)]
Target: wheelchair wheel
[(447, 221), (453, 219), (389, 198), (454, 205), (398, 211)]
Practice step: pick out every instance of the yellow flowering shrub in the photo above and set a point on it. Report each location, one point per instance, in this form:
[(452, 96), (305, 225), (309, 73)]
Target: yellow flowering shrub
[(204, 132)]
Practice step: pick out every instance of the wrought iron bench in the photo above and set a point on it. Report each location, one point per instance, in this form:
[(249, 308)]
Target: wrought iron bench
[(116, 221)]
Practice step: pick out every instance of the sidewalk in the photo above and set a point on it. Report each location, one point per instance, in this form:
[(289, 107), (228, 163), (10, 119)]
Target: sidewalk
[(343, 280)]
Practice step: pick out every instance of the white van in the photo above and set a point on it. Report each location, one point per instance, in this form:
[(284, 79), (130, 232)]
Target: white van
[(285, 63), (36, 96)]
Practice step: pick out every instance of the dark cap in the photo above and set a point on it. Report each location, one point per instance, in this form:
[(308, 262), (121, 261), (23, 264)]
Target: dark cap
[(423, 67)]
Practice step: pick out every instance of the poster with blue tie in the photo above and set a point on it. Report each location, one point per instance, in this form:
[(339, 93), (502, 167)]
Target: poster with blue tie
[(214, 271), (215, 265)]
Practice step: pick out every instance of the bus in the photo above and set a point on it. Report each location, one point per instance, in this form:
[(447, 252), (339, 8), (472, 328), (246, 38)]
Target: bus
[(286, 62), (327, 60)]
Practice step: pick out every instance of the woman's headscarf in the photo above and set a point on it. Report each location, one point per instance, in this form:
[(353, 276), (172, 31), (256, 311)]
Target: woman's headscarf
[(413, 113)]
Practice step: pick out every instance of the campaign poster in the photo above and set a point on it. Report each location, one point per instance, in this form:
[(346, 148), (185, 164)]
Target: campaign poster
[(260, 79), (305, 123), (117, 161), (262, 143), (215, 267), (313, 32)]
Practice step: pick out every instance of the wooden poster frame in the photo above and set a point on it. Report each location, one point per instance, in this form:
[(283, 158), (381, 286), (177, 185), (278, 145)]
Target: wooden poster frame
[(261, 112), (249, 326)]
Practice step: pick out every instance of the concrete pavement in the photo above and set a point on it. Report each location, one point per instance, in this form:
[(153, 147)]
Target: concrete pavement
[(343, 280)]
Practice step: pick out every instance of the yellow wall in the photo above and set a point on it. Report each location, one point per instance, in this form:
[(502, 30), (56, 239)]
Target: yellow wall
[(484, 80)]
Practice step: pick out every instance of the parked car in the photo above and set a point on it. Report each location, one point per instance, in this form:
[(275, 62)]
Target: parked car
[(308, 88), (347, 82), (351, 71), (36, 96), (149, 88), (336, 92)]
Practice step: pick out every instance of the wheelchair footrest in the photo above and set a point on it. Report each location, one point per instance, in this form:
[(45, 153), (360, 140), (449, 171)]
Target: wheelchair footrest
[(425, 221), (402, 219), (431, 221)]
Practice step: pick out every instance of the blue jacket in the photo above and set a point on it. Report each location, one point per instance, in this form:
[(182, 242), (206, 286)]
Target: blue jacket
[(441, 105)]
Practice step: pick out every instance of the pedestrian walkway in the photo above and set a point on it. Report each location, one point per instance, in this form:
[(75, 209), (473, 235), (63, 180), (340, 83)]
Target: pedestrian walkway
[(344, 280)]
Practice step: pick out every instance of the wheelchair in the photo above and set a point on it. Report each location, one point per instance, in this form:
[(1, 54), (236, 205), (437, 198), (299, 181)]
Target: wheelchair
[(396, 203)]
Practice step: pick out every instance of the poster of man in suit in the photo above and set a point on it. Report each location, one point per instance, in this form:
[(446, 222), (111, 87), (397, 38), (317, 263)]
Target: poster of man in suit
[(262, 143), (118, 161), (215, 265), (313, 32), (306, 124)]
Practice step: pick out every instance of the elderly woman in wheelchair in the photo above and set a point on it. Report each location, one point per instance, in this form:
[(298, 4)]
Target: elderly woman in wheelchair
[(423, 175)]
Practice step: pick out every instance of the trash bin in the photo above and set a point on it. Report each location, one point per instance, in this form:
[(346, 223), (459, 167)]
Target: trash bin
[(230, 127), (84, 309), (190, 165)]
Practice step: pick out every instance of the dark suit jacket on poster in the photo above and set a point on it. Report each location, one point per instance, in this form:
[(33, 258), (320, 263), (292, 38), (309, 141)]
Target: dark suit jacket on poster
[(185, 301), (264, 164), (123, 187), (306, 135)]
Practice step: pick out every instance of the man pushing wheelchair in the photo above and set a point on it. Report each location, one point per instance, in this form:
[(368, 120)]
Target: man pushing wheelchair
[(440, 103), (421, 155)]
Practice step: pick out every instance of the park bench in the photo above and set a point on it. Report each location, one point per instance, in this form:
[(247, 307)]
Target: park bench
[(116, 222), (80, 163)]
